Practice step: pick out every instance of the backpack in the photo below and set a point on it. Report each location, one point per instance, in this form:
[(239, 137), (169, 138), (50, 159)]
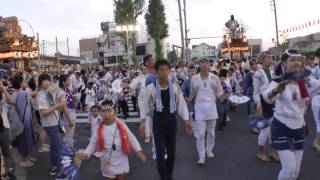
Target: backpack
[(16, 123)]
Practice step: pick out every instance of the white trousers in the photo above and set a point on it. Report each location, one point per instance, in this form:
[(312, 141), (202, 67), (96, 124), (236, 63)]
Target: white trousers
[(264, 136), (69, 135), (148, 122), (291, 164), (148, 127), (315, 111), (194, 124), (208, 126)]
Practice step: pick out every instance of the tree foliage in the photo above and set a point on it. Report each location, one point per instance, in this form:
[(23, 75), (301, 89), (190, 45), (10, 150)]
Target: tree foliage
[(126, 12), (156, 24)]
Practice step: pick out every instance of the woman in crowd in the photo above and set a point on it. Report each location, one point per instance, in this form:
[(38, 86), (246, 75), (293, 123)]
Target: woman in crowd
[(50, 120), (261, 81), (68, 113), (27, 139), (288, 125)]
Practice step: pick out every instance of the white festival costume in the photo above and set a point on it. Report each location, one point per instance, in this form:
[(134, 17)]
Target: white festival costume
[(205, 97), (113, 162), (205, 93)]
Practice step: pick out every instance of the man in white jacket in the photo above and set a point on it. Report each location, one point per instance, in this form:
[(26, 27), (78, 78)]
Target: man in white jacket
[(163, 101)]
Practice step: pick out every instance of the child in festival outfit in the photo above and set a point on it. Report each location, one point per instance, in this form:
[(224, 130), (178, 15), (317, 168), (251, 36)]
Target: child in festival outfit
[(96, 118), (115, 142)]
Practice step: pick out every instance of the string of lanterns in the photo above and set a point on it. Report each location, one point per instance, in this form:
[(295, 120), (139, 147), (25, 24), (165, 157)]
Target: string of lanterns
[(7, 55), (301, 26)]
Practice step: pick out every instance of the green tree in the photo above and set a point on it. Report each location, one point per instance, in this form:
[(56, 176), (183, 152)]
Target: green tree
[(156, 24), (127, 12)]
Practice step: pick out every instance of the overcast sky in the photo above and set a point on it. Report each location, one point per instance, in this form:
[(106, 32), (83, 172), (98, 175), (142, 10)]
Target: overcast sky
[(81, 18)]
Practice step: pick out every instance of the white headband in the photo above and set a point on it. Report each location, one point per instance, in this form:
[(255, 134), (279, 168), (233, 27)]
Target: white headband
[(291, 54)]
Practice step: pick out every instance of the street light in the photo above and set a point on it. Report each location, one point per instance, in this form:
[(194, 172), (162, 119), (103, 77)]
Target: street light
[(127, 28)]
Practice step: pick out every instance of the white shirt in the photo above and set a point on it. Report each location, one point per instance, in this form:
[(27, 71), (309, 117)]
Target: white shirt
[(4, 112), (139, 83), (260, 83), (205, 93), (235, 81), (94, 124), (288, 110), (90, 95), (118, 163), (182, 73), (149, 102), (49, 120), (108, 77), (74, 81)]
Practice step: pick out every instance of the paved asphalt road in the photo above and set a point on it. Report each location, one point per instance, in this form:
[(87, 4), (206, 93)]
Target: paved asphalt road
[(235, 157)]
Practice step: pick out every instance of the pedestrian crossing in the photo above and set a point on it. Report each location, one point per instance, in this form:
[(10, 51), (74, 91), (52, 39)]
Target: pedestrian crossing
[(133, 116)]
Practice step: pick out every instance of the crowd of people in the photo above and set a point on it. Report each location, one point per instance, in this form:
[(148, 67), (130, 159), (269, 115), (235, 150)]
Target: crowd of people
[(37, 108)]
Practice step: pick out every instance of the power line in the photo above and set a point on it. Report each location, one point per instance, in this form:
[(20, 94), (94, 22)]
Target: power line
[(171, 12)]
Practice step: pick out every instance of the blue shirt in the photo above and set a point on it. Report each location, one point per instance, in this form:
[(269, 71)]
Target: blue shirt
[(150, 78)]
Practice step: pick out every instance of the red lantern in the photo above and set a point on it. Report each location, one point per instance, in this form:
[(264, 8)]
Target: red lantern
[(314, 22), (318, 21), (309, 23)]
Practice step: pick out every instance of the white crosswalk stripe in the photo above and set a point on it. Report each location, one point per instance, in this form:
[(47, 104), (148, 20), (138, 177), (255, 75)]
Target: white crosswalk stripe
[(133, 116)]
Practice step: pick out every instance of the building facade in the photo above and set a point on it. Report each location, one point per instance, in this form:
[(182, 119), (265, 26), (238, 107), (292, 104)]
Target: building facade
[(308, 44), (204, 50), (255, 47), (89, 51), (111, 45)]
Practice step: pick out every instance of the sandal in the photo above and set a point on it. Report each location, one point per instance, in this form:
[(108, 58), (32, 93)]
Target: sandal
[(263, 158), (274, 158)]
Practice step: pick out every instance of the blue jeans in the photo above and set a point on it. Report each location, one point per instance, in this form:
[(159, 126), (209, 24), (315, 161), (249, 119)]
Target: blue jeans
[(55, 145)]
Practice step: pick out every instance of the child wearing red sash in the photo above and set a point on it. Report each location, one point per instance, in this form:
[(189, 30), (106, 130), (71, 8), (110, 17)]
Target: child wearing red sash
[(114, 142)]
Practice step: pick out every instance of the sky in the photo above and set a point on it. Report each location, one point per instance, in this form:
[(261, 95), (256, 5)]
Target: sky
[(78, 19)]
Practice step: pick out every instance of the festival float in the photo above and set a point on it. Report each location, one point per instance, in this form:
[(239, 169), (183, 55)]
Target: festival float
[(17, 49), (235, 45)]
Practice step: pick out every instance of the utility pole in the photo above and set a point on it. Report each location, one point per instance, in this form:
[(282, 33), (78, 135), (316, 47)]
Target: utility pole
[(276, 21), (43, 50), (38, 48), (57, 55), (186, 31), (181, 30), (68, 49)]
